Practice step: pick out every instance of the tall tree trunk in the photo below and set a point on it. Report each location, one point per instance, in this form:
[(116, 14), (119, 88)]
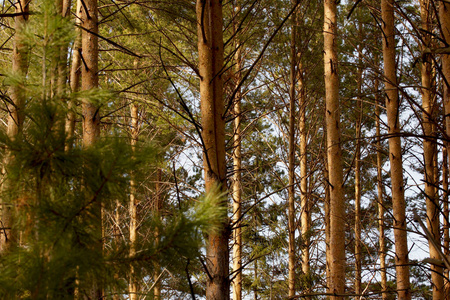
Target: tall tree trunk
[(446, 235), (336, 284), (75, 76), (395, 151), (430, 153), (291, 160), (15, 119), (90, 114), (237, 159), (444, 12), (305, 217), (210, 53), (132, 285), (358, 173), (380, 204)]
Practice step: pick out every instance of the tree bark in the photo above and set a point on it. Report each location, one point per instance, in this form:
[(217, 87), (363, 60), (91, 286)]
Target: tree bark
[(332, 113), (380, 204), (358, 124), (75, 76), (237, 159), (291, 160), (91, 116), (210, 52), (395, 151), (429, 152), (15, 121)]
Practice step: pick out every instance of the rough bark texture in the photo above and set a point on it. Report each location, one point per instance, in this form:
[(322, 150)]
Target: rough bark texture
[(430, 153), (395, 151), (291, 162), (336, 283), (15, 119), (210, 52)]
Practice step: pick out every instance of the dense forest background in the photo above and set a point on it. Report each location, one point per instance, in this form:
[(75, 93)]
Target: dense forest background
[(244, 149)]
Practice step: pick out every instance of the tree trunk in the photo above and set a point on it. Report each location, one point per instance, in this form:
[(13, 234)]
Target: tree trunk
[(132, 285), (395, 151), (15, 120), (305, 217), (446, 235), (210, 53), (380, 204), (90, 114), (336, 284), (429, 153), (75, 76), (291, 161), (358, 173), (237, 178)]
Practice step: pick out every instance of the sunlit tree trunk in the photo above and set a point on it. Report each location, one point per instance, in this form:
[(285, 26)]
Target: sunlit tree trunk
[(395, 151), (210, 54), (430, 153), (336, 285), (444, 12), (305, 217), (15, 119), (237, 159), (75, 79), (291, 160)]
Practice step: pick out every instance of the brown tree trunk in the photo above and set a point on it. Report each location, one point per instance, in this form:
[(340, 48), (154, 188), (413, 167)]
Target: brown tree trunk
[(237, 159), (75, 76), (446, 235), (336, 285), (291, 161), (90, 114), (430, 153), (305, 217), (132, 285), (358, 173), (210, 53), (395, 151), (444, 12), (15, 120)]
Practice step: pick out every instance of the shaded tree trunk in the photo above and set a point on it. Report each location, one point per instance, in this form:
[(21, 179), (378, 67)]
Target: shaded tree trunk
[(291, 161), (395, 151), (381, 218), (15, 121), (210, 52), (91, 116), (336, 283)]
